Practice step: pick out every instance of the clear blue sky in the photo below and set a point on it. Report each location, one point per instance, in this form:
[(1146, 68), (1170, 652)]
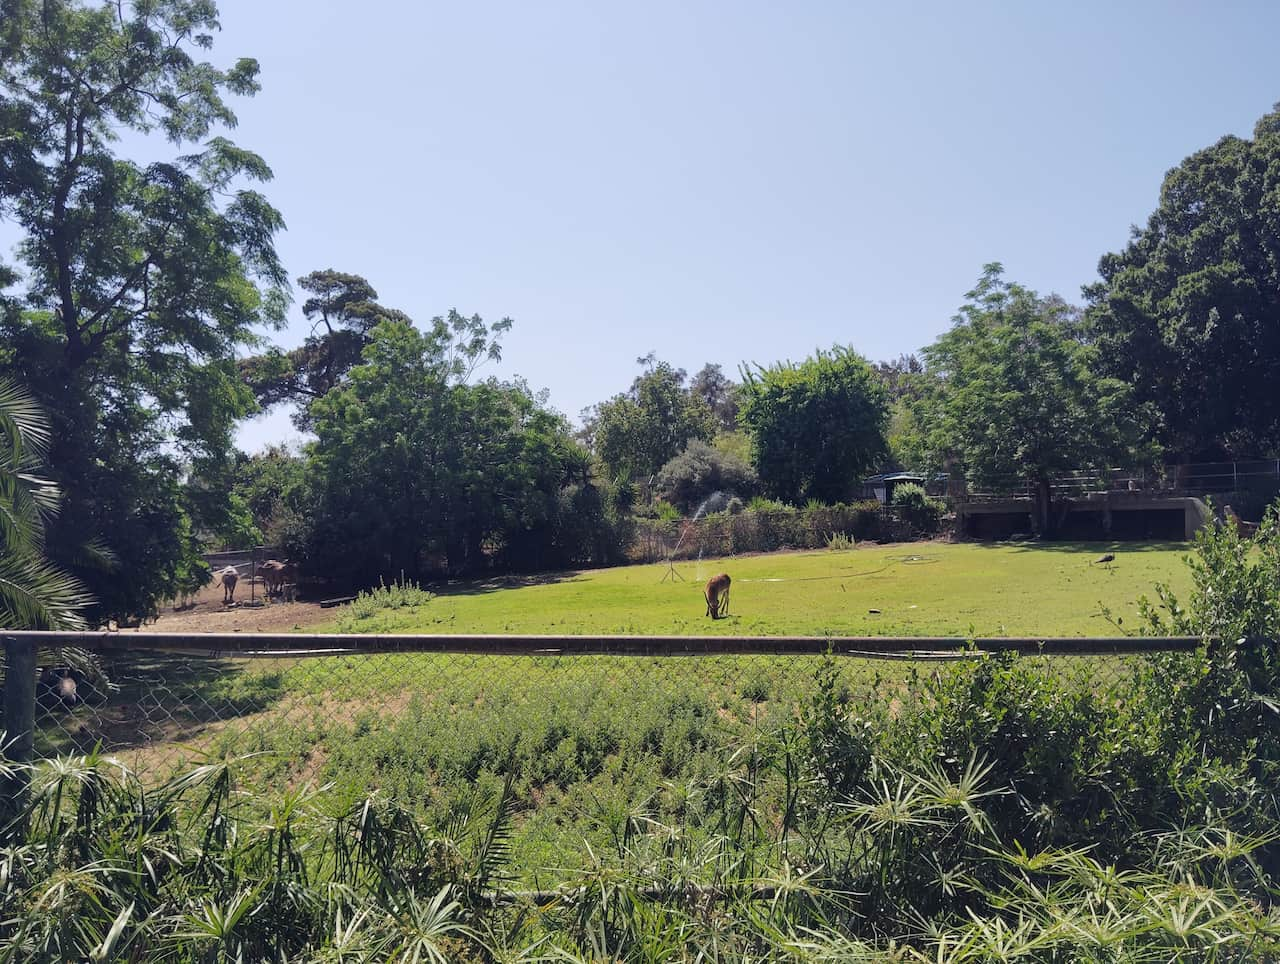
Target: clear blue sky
[(721, 181)]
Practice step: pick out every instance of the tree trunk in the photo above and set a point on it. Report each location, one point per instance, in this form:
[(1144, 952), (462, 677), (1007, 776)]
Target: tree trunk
[(455, 548), (475, 548), (1044, 507)]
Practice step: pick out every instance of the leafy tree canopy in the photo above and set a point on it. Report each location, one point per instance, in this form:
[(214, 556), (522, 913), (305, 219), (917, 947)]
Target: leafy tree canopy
[(637, 433), (415, 468), (343, 310), (816, 427), (272, 486), (1015, 394), (901, 376), (720, 393), (139, 283), (1189, 312)]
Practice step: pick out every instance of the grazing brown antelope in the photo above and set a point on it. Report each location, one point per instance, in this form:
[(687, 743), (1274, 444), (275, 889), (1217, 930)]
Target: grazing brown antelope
[(717, 594)]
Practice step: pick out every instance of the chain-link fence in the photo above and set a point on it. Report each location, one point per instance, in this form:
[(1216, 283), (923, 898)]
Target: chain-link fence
[(165, 698), (419, 717)]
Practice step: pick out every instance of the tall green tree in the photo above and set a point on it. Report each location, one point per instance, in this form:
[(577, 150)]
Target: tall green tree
[(720, 392), (343, 310), (635, 434), (905, 382), (816, 427), (1189, 312), (414, 468), (1016, 397), (140, 283), (271, 485)]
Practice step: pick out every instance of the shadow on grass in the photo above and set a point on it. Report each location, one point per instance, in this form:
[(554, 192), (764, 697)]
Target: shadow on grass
[(161, 697), (1081, 547), (479, 587)]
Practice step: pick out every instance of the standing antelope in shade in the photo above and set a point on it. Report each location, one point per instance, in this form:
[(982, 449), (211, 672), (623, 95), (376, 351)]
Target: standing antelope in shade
[(229, 578), (717, 595), (276, 575), (1244, 528)]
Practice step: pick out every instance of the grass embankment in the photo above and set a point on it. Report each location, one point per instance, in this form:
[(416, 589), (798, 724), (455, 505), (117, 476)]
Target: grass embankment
[(924, 589)]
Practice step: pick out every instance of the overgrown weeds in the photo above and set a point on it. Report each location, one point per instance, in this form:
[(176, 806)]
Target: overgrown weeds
[(841, 542), (379, 600)]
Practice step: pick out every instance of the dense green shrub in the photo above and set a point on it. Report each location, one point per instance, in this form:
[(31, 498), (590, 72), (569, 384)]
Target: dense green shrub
[(587, 524), (1039, 730), (816, 426), (370, 603), (417, 470), (700, 471), (905, 866), (917, 509)]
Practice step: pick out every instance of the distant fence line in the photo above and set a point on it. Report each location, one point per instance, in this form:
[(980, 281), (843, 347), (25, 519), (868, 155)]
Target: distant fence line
[(242, 558), (1192, 478)]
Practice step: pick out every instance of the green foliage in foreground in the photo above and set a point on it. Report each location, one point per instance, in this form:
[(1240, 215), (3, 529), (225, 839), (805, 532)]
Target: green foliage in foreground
[(1005, 814), (933, 589)]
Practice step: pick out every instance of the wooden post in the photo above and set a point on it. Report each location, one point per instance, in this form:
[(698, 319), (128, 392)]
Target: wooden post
[(19, 723)]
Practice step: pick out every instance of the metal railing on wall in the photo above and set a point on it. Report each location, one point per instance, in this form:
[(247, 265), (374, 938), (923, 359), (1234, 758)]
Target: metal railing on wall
[(1188, 479)]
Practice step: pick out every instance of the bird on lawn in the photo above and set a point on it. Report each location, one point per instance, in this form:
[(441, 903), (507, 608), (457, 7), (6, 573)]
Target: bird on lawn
[(1105, 557)]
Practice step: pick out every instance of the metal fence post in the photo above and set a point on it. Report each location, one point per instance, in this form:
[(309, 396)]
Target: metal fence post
[(19, 723)]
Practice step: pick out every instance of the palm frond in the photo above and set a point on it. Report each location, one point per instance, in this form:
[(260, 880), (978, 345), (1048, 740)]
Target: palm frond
[(493, 852), (35, 594), (24, 427), (96, 554)]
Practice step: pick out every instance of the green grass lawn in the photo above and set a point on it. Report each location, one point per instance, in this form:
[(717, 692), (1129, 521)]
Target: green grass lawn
[(924, 589)]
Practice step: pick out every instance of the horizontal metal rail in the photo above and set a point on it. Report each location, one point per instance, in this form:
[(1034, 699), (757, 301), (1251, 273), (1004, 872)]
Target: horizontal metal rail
[(298, 645)]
